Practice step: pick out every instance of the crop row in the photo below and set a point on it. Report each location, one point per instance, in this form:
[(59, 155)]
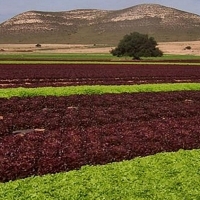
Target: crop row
[(41, 135), (12, 75), (96, 89)]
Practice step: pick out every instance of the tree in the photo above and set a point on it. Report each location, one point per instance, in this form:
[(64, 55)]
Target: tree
[(137, 45)]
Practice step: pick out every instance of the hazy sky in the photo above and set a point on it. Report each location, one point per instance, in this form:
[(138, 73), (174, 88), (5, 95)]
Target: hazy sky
[(10, 8)]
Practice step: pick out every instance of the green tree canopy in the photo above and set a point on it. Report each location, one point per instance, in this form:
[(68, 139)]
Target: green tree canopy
[(137, 45)]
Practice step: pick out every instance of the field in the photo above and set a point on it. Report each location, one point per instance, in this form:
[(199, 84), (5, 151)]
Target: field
[(39, 136), (16, 75), (87, 125), (174, 48)]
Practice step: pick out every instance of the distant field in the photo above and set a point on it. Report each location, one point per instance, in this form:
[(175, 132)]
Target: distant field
[(90, 125), (167, 47), (44, 57)]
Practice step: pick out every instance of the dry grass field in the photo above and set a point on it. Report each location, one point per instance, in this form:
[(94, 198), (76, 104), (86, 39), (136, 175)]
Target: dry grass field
[(166, 47), (179, 47)]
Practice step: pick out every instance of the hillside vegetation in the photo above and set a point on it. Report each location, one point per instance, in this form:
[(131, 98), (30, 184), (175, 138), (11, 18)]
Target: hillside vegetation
[(100, 26)]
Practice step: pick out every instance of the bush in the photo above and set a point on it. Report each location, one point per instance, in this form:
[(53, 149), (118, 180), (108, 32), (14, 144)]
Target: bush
[(137, 45), (188, 48), (38, 45)]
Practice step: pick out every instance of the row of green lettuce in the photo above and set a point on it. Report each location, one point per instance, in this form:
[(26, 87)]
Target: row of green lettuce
[(96, 89), (164, 176)]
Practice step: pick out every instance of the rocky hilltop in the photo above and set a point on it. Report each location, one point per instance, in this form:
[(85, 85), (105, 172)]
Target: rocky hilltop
[(100, 26)]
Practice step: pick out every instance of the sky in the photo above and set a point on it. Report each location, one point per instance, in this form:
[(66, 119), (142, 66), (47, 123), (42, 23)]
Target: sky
[(10, 8)]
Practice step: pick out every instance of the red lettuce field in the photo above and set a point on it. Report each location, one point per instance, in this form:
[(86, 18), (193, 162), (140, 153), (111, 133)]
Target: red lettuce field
[(41, 135), (35, 75)]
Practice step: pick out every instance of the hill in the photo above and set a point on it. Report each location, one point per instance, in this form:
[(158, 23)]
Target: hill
[(101, 26)]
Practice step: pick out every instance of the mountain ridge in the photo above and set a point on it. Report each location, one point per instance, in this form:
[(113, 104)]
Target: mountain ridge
[(101, 26)]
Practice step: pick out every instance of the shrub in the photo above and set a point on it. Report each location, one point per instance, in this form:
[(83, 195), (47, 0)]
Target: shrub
[(38, 45), (187, 48), (137, 45)]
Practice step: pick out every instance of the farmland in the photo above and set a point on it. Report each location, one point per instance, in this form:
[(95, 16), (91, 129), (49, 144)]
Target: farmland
[(37, 75), (39, 136), (115, 112)]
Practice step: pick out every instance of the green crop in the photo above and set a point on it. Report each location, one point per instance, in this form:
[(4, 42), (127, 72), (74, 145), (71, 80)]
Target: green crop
[(97, 58), (96, 89), (174, 175)]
